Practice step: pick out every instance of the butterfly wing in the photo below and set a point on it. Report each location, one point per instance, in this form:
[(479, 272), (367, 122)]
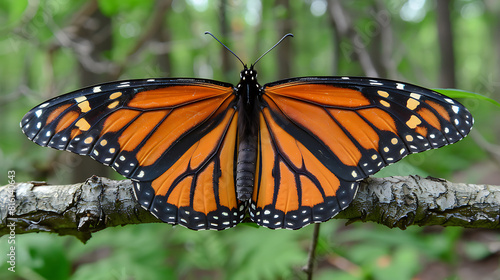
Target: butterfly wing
[(319, 136), (175, 138)]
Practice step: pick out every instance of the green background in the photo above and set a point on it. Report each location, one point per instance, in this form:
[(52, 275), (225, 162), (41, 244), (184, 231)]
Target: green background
[(51, 47)]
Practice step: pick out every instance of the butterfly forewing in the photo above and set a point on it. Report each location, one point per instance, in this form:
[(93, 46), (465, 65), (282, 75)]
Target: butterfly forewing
[(174, 137), (320, 136)]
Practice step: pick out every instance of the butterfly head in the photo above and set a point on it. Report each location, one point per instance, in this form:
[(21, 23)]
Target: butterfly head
[(248, 79)]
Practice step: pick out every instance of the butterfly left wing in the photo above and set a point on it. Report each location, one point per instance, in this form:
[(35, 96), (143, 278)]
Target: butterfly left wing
[(320, 136), (175, 138)]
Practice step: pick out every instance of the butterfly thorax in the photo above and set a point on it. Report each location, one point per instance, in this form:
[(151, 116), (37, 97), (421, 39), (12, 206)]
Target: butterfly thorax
[(247, 91)]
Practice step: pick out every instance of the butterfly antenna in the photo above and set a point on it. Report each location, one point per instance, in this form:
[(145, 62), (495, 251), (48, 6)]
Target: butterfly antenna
[(207, 32), (283, 38)]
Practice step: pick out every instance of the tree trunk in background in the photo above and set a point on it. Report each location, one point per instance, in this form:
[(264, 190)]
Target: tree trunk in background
[(224, 29), (445, 36), (96, 31), (163, 36), (342, 24), (284, 26)]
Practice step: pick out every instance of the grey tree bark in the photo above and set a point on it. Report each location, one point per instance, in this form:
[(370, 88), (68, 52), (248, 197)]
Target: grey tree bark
[(98, 203)]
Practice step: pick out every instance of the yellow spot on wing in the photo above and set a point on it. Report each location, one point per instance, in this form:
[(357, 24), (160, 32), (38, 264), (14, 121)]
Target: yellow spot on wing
[(84, 106), (88, 140), (115, 95), (383, 93), (413, 122), (83, 103), (83, 125), (412, 103), (113, 105)]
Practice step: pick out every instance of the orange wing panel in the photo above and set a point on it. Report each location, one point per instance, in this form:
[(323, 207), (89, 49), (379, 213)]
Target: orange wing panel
[(118, 120), (135, 133), (178, 122), (176, 95), (56, 113), (357, 127), (380, 119), (66, 120), (327, 129), (323, 94), (429, 117), (440, 109), (274, 168), (203, 194)]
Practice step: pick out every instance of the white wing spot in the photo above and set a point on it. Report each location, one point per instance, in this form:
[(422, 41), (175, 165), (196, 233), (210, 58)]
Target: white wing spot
[(415, 95), (141, 174), (96, 89), (38, 113), (400, 86)]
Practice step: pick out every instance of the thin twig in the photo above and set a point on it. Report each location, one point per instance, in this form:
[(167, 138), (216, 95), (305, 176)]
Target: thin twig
[(309, 269)]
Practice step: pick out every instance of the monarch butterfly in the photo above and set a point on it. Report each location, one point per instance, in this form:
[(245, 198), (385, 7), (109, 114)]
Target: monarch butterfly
[(202, 153)]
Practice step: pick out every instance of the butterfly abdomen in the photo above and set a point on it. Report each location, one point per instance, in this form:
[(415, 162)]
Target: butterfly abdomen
[(248, 110), (245, 169)]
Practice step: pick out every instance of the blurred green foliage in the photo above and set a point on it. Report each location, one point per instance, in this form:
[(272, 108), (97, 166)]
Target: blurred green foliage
[(40, 61)]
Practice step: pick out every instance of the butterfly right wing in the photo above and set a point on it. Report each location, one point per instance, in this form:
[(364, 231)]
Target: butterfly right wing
[(320, 136), (175, 138)]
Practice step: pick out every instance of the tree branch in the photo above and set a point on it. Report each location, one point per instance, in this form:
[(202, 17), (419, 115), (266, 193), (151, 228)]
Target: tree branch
[(343, 25), (81, 209)]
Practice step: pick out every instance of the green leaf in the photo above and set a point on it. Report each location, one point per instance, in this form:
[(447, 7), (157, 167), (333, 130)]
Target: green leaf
[(458, 93), (15, 10)]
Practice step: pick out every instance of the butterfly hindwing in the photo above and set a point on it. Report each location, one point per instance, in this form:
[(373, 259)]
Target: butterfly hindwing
[(320, 136), (293, 187), (174, 137)]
